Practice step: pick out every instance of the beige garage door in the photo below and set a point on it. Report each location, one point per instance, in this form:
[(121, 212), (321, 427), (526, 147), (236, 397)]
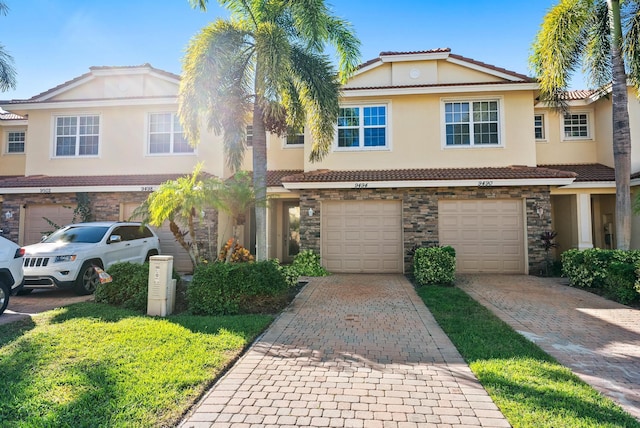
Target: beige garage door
[(488, 235), (36, 224), (362, 236), (168, 244)]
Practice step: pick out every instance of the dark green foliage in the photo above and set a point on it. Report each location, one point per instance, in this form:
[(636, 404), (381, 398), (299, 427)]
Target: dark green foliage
[(291, 275), (231, 288), (435, 265), (129, 288), (307, 263), (612, 271), (620, 281)]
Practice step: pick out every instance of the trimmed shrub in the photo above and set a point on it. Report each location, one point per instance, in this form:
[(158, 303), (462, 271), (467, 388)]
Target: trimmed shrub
[(620, 281), (435, 265), (307, 263), (615, 272), (129, 288), (232, 288)]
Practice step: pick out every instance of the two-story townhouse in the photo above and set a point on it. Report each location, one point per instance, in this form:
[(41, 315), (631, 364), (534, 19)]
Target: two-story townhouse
[(431, 148), (111, 135)]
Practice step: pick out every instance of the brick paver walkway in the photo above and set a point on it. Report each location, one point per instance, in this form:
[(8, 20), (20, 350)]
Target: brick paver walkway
[(597, 339), (351, 351)]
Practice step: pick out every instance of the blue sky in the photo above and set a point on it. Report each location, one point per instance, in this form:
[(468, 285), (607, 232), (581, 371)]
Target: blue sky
[(53, 41)]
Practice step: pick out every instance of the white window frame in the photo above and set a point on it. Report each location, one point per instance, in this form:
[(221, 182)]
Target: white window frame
[(7, 134), (171, 133), (589, 116), (472, 145), (285, 140), (543, 127), (361, 127), (76, 155)]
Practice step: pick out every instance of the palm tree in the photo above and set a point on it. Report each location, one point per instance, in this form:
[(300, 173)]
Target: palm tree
[(181, 202), (266, 65), (7, 72), (604, 36)]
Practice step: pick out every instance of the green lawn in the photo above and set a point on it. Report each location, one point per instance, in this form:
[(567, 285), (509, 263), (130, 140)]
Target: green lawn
[(529, 386), (90, 365)]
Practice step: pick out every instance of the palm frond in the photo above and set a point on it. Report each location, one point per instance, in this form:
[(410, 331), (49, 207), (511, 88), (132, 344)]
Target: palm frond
[(559, 46), (199, 4), (310, 18), (7, 72), (597, 58), (632, 42), (319, 91), (216, 82), (347, 45), (273, 57)]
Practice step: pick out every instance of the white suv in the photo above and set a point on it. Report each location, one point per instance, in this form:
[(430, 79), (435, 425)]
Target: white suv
[(67, 257), (11, 278)]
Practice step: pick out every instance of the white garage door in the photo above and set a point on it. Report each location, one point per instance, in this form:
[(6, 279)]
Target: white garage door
[(168, 244), (488, 235), (36, 224), (362, 236)]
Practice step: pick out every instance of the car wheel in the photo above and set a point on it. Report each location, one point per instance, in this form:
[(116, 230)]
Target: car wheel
[(149, 254), (87, 280), (4, 296), (24, 292)]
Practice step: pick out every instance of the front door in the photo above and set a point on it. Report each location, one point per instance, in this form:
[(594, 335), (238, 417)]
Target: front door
[(291, 211)]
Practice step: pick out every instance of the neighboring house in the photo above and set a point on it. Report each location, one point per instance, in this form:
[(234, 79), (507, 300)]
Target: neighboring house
[(431, 148)]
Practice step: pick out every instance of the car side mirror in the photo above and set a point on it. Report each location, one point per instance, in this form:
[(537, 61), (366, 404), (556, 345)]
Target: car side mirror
[(115, 238)]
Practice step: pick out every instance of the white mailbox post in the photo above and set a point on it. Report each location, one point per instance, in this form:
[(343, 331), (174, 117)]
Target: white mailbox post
[(162, 287)]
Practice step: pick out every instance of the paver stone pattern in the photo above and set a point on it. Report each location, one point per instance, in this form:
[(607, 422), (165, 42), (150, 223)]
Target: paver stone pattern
[(351, 351)]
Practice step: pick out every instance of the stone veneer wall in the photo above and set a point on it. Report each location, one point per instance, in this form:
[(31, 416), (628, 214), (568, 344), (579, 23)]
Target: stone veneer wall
[(420, 213), (105, 206)]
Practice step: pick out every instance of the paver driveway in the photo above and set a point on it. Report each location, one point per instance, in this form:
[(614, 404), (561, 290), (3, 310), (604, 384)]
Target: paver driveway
[(597, 339), (351, 351)]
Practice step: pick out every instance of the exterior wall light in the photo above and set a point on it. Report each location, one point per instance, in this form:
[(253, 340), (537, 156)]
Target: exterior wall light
[(310, 212)]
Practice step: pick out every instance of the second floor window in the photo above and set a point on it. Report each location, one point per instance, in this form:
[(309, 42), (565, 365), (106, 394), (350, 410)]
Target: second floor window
[(538, 126), (15, 141), (362, 127), (166, 136), (576, 126), (249, 131), (472, 123), (77, 135), (295, 137)]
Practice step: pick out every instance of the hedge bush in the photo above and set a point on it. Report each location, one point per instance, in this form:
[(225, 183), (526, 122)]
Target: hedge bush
[(614, 272), (232, 288), (434, 265), (307, 263), (129, 288)]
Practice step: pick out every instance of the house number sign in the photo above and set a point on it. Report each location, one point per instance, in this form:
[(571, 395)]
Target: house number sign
[(361, 185), (485, 183), (146, 189), (45, 190)]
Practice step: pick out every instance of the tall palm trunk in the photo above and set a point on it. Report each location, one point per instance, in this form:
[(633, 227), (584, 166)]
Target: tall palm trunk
[(621, 133), (260, 180)]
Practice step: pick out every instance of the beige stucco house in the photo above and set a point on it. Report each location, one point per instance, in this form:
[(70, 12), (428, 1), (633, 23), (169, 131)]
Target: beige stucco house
[(430, 148)]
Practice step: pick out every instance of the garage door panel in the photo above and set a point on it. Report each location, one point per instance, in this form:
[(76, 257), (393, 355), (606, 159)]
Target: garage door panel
[(370, 233), (36, 224), (494, 242)]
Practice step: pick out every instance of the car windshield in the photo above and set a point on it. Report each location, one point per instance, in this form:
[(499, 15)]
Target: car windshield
[(84, 234)]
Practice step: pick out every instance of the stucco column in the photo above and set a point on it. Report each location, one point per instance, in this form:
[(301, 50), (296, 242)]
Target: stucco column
[(585, 237)]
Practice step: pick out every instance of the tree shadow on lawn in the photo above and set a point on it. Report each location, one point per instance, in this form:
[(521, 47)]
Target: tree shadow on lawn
[(560, 397), (13, 330)]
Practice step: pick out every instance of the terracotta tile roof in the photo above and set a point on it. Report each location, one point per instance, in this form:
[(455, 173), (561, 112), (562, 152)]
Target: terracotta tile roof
[(7, 115), (578, 94), (587, 172), (511, 172), (274, 178), (493, 67), (428, 51), (86, 180)]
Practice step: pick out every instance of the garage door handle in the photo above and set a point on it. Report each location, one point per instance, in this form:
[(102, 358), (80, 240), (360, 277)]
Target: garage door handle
[(126, 245)]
